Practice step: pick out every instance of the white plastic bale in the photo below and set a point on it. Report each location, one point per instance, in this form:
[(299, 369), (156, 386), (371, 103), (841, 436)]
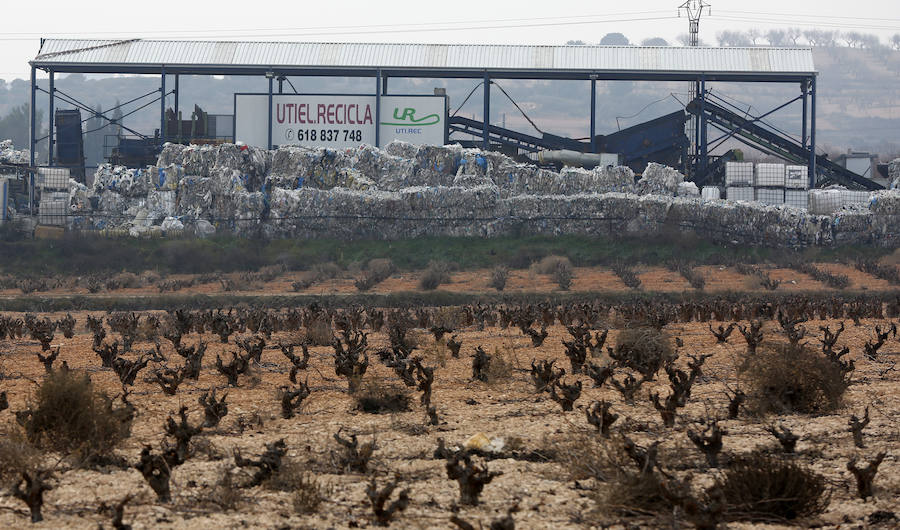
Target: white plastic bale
[(658, 179), (688, 189), (10, 155)]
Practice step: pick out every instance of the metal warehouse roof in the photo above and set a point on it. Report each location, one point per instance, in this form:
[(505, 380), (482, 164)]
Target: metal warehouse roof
[(426, 60)]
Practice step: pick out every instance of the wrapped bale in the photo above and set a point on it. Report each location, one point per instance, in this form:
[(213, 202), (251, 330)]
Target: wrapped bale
[(659, 180), (10, 155), (124, 181), (688, 189)]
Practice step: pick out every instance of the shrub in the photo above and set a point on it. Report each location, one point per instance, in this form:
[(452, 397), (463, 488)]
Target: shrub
[(499, 275), (782, 378), (550, 264), (563, 275), (326, 271), (643, 349), (760, 487), (378, 397), (377, 270), (627, 275), (381, 268), (68, 415), (309, 494), (319, 332), (501, 366), (17, 456), (436, 274)]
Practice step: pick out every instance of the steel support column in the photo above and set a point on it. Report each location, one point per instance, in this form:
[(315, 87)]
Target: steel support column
[(32, 132), (384, 83), (177, 117), (812, 133), (269, 118), (281, 84), (486, 143), (52, 138), (162, 107), (593, 115), (378, 81), (704, 148), (803, 90)]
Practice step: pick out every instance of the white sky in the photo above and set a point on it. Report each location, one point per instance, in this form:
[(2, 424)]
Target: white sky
[(456, 21)]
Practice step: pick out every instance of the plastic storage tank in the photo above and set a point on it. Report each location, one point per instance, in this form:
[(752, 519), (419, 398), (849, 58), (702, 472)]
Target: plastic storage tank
[(770, 196), (796, 198), (796, 177), (739, 193), (711, 193), (769, 175), (738, 173)]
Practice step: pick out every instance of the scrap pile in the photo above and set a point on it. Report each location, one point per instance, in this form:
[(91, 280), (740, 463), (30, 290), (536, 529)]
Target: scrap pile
[(404, 191)]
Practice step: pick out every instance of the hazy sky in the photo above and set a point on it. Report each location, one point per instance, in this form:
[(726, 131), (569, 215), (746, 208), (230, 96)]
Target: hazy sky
[(461, 21)]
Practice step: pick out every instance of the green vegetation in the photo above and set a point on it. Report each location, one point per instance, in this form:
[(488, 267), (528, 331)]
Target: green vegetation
[(90, 255)]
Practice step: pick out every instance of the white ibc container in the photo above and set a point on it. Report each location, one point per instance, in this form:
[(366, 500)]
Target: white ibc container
[(711, 193), (739, 193), (769, 175), (53, 178), (738, 173), (770, 196), (796, 198), (52, 212), (796, 177)]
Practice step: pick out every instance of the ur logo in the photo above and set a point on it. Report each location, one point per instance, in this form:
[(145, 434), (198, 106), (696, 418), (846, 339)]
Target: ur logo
[(408, 117)]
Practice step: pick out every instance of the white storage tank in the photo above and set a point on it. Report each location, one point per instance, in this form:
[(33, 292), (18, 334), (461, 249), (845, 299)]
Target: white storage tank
[(796, 198), (796, 177), (739, 193), (770, 196), (53, 178), (827, 201), (711, 193), (769, 176), (53, 208), (738, 173)]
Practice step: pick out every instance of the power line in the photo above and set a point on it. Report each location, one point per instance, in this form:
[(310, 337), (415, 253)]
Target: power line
[(392, 30), (364, 26)]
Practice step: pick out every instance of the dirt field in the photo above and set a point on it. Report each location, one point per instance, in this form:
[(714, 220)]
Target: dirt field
[(719, 278), (531, 425)]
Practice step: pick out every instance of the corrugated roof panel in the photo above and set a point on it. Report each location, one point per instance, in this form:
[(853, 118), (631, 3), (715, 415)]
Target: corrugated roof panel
[(436, 56)]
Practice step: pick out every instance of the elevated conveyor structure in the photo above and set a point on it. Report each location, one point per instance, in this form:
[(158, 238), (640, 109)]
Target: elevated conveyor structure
[(752, 131)]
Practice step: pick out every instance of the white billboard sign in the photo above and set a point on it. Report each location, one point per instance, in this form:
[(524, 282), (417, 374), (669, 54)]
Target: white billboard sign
[(338, 121)]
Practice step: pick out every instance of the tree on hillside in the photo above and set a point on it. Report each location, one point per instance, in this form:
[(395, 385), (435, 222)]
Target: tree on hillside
[(895, 41), (793, 35), (15, 125), (614, 39), (575, 43), (754, 34), (655, 41), (777, 37), (732, 38)]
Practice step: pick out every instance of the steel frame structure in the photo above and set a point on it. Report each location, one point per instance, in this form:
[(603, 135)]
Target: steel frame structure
[(805, 81)]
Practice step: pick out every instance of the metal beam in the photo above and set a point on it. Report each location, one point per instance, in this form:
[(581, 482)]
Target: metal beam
[(52, 138), (384, 85), (486, 143), (812, 134), (378, 80), (593, 115), (803, 89), (269, 119), (32, 123), (162, 108), (704, 147), (177, 109)]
